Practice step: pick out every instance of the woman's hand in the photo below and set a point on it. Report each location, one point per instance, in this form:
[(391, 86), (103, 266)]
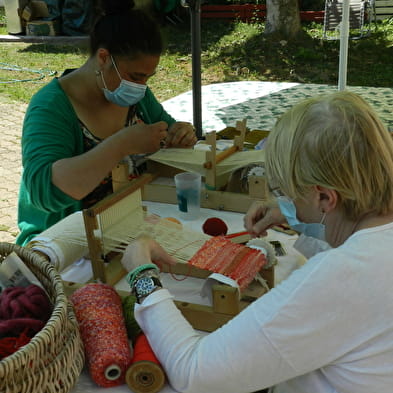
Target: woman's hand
[(260, 217), (145, 138), (181, 134), (145, 250)]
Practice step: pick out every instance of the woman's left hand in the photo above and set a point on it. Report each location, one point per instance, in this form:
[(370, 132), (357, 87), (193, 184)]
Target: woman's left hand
[(145, 250), (181, 134)]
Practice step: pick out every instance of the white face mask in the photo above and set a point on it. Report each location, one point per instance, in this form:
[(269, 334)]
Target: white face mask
[(288, 210), (127, 93), (310, 246)]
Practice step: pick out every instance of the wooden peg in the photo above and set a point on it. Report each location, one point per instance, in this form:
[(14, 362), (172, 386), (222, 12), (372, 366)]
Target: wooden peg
[(120, 176), (239, 140), (211, 155)]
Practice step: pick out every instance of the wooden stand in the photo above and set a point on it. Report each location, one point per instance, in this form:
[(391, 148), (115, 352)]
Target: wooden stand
[(226, 300), (97, 256)]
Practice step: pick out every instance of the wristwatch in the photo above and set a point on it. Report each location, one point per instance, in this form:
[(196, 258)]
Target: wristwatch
[(145, 284)]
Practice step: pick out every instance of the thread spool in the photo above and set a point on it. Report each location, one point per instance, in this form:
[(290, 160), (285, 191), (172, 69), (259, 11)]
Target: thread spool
[(112, 372), (145, 375), (98, 310)]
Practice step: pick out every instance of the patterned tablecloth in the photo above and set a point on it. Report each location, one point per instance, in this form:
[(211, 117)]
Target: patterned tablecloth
[(262, 102)]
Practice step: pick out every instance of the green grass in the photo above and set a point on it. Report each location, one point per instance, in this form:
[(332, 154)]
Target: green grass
[(3, 21), (230, 52)]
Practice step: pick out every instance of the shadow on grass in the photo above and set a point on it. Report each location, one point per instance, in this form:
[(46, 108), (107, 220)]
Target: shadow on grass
[(78, 48), (310, 59), (307, 59)]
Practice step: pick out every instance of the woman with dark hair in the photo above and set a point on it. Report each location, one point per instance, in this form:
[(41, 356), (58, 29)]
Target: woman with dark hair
[(81, 125)]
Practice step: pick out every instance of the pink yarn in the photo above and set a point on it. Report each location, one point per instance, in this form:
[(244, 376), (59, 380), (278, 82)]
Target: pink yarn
[(14, 327), (23, 309), (25, 302)]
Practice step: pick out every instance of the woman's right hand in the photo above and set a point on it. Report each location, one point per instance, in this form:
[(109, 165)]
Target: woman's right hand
[(260, 217), (145, 250), (145, 138)]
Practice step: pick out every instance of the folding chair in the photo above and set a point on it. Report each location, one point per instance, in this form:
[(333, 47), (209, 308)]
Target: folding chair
[(361, 15)]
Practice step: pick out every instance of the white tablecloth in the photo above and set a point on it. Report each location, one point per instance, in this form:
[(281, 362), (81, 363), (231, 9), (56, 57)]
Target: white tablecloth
[(188, 290), (261, 103)]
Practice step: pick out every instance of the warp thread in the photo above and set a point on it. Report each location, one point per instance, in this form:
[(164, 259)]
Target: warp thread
[(145, 375), (98, 309), (24, 311)]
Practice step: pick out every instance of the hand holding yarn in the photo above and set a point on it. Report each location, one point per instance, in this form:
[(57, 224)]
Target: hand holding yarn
[(261, 217), (181, 134), (145, 250)]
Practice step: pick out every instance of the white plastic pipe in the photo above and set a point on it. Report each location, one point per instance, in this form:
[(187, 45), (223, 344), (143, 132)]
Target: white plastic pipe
[(344, 37)]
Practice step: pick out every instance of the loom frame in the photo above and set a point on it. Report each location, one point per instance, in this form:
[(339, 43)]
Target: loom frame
[(226, 300), (211, 197)]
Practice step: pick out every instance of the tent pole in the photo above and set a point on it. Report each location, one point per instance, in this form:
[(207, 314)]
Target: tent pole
[(195, 17), (344, 37)]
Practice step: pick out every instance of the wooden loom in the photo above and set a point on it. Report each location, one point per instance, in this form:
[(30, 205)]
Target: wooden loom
[(105, 257), (106, 265), (213, 196)]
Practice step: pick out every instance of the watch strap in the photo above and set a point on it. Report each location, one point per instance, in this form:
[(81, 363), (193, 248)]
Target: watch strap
[(133, 274)]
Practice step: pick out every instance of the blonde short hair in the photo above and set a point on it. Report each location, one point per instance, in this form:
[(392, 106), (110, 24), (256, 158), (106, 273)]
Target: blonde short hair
[(336, 141)]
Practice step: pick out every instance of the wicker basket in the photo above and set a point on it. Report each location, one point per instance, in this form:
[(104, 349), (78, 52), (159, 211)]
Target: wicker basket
[(53, 360)]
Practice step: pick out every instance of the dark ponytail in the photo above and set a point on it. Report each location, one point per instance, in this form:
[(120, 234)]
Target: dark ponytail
[(125, 31)]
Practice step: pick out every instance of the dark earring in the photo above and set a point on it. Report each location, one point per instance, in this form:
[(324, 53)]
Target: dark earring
[(98, 72)]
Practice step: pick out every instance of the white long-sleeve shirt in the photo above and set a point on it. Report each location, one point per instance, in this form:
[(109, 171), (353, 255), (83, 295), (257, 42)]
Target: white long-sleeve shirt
[(327, 328)]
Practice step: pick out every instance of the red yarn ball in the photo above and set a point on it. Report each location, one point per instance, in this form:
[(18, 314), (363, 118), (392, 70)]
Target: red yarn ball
[(215, 227)]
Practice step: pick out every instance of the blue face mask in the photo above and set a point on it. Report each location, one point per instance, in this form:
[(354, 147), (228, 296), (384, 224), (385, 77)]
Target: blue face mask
[(288, 210), (127, 94)]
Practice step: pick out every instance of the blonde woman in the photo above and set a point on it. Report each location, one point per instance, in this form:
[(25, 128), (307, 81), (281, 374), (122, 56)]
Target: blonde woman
[(328, 328)]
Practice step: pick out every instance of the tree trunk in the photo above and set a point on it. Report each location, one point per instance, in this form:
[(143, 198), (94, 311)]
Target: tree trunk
[(283, 18)]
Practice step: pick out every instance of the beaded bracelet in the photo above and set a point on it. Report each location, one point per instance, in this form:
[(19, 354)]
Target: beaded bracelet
[(133, 274)]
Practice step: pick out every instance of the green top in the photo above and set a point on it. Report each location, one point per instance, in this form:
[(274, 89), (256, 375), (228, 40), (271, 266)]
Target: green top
[(52, 131)]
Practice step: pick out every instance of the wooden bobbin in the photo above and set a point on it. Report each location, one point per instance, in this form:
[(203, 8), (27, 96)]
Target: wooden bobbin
[(145, 377)]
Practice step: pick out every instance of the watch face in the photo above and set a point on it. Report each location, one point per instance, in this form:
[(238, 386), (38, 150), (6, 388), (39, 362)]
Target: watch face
[(144, 286)]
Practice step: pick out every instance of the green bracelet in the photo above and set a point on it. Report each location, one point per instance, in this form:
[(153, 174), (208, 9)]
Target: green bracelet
[(133, 274)]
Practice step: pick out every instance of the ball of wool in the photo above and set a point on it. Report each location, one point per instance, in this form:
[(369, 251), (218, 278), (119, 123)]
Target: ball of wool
[(133, 329), (215, 227), (25, 302), (14, 327), (9, 345)]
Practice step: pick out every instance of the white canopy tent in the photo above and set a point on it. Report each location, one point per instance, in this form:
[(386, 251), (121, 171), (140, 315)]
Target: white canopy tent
[(344, 38)]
